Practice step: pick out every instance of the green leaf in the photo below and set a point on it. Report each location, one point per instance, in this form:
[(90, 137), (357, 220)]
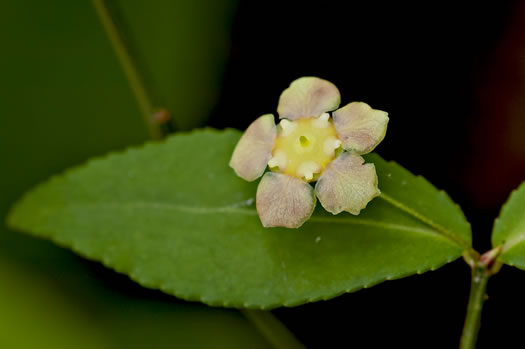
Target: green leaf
[(174, 216), (509, 229), (415, 196)]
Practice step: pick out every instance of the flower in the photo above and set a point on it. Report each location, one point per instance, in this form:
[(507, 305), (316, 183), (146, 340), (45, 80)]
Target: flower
[(308, 146)]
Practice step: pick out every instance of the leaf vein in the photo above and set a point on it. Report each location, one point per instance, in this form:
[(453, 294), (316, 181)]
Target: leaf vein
[(439, 228), (513, 242), (245, 208)]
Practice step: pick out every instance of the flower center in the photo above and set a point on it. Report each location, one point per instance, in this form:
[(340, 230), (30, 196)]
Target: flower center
[(304, 141), (304, 147)]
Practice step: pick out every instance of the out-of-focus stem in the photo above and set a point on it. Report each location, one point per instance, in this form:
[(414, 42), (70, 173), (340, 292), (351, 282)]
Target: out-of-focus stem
[(130, 69)]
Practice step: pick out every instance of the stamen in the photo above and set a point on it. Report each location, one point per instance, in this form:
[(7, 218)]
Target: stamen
[(307, 170), (330, 145), (278, 159), (287, 127), (321, 121)]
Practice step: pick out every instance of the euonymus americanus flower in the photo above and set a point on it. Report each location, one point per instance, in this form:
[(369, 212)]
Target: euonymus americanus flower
[(310, 146)]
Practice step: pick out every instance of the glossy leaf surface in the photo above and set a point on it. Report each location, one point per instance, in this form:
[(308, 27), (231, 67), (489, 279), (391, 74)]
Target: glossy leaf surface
[(509, 229), (174, 216)]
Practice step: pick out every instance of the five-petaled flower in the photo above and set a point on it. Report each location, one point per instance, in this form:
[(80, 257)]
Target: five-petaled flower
[(308, 146)]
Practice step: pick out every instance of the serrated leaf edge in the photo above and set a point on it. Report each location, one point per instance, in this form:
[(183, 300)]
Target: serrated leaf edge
[(455, 238), (440, 229), (509, 244), (160, 284)]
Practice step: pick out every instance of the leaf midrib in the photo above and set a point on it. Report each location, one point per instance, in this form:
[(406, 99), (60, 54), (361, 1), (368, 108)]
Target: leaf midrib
[(517, 239), (439, 229), (245, 208)]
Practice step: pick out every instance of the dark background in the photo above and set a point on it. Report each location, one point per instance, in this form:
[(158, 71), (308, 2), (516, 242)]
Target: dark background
[(450, 74), (452, 77)]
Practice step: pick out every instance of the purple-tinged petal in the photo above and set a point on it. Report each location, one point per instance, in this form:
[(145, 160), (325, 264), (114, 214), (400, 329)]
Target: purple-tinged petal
[(360, 127), (254, 149), (347, 184), (307, 97), (284, 201)]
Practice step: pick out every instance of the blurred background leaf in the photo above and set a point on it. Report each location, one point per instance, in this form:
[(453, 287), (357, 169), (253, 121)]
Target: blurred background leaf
[(64, 98), (36, 315)]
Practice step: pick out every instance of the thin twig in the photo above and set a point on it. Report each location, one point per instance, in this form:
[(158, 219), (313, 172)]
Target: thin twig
[(129, 67)]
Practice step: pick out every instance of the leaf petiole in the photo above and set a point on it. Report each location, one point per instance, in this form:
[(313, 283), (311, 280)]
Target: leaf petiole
[(483, 267)]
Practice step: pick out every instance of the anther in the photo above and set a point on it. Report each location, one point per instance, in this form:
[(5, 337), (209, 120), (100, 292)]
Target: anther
[(287, 127), (307, 170), (321, 121), (278, 159), (330, 145)]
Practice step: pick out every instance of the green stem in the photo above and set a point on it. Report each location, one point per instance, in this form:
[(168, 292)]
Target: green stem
[(272, 329), (129, 67), (480, 277)]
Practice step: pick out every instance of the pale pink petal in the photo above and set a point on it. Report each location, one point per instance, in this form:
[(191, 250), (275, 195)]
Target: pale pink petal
[(284, 201), (347, 184), (254, 149), (360, 127), (306, 97)]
